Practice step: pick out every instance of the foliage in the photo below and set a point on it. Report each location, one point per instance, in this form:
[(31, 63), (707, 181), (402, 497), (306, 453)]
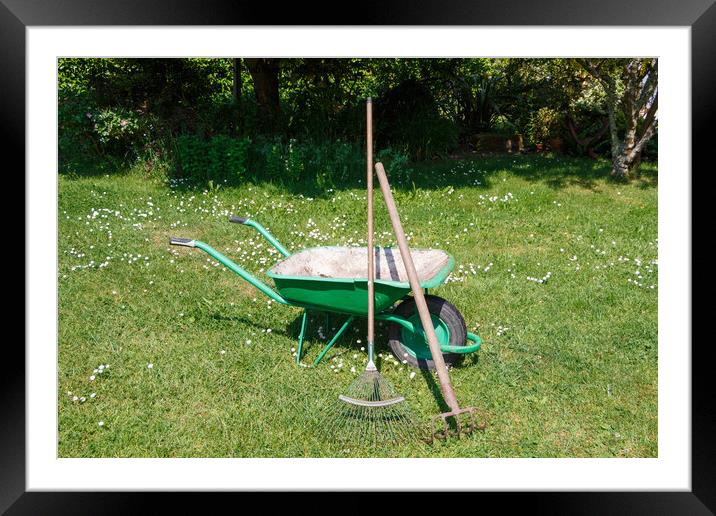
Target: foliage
[(219, 159), (225, 160), (94, 134), (590, 98), (75, 131), (502, 126), (410, 120), (118, 126), (325, 164), (158, 85), (544, 125), (423, 109)]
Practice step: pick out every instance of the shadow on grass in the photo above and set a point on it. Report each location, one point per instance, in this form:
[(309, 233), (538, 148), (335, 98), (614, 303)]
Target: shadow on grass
[(434, 388), (474, 170), (330, 320), (80, 167), (292, 330), (220, 317)]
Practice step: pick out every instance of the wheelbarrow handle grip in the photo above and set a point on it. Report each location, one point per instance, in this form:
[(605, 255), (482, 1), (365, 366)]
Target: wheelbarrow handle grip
[(238, 220), (187, 242)]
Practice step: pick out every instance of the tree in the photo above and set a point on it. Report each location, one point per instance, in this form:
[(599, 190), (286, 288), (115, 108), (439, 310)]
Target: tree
[(586, 142), (264, 73), (632, 92), (236, 82)]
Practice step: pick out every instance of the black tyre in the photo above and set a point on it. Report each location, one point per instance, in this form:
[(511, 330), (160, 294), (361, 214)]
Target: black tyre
[(449, 326)]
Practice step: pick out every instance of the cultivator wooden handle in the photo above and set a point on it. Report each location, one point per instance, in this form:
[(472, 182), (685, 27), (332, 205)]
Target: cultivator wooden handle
[(425, 319)]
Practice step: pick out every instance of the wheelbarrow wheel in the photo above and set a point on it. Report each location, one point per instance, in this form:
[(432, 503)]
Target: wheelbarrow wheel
[(412, 347)]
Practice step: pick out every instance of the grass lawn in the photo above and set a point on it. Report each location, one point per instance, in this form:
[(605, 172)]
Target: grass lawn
[(556, 269)]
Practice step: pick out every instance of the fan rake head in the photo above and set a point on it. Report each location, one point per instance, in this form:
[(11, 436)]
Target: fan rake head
[(370, 413)]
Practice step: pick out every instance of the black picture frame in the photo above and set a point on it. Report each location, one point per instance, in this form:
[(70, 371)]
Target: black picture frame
[(700, 15)]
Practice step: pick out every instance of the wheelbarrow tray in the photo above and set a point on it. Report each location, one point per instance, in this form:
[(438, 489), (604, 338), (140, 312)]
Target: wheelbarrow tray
[(335, 278)]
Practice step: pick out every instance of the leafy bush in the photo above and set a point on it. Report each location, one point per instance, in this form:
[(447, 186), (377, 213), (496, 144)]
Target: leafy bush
[(544, 124), (327, 164), (411, 121), (502, 126), (160, 84), (75, 129), (220, 158), (118, 128), (89, 134), (396, 164), (224, 115), (427, 138)]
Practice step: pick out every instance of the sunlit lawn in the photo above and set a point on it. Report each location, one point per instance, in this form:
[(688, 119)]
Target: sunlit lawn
[(556, 269)]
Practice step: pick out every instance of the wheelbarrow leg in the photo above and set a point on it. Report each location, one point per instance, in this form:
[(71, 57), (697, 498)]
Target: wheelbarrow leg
[(333, 340), (301, 336)]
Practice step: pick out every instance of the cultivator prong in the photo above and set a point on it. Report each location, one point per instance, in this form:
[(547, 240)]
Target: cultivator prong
[(454, 416)]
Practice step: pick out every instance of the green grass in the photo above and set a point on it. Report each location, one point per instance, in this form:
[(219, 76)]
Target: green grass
[(568, 367)]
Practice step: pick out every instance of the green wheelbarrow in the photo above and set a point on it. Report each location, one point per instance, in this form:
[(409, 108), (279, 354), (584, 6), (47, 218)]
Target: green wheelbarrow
[(333, 279)]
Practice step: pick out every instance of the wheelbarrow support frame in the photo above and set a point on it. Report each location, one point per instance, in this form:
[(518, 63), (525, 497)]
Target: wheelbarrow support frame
[(271, 293)]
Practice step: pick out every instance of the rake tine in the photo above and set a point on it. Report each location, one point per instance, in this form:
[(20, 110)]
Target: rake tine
[(369, 413)]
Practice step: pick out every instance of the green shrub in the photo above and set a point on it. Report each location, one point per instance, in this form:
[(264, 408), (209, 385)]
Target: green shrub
[(545, 123), (227, 157), (323, 165), (395, 163), (217, 159), (75, 134), (410, 120), (92, 136), (502, 126), (117, 129), (426, 138), (223, 114)]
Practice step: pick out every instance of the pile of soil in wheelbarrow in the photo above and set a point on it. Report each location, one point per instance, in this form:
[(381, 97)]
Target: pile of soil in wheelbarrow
[(352, 262)]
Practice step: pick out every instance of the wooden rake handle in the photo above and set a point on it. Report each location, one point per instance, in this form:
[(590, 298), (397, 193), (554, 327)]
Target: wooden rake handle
[(443, 375), (369, 185)]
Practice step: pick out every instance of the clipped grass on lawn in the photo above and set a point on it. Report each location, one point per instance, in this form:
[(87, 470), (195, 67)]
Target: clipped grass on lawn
[(556, 269)]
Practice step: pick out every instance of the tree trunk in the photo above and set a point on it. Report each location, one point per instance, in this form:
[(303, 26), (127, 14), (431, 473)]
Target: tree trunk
[(264, 73), (586, 143), (237, 79), (639, 80), (634, 166), (619, 167)]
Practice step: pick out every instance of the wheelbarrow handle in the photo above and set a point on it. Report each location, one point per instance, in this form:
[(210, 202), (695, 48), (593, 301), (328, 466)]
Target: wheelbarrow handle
[(264, 232), (187, 242), (238, 220), (229, 264)]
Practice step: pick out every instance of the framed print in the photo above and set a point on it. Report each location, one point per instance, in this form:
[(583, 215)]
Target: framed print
[(530, 136)]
